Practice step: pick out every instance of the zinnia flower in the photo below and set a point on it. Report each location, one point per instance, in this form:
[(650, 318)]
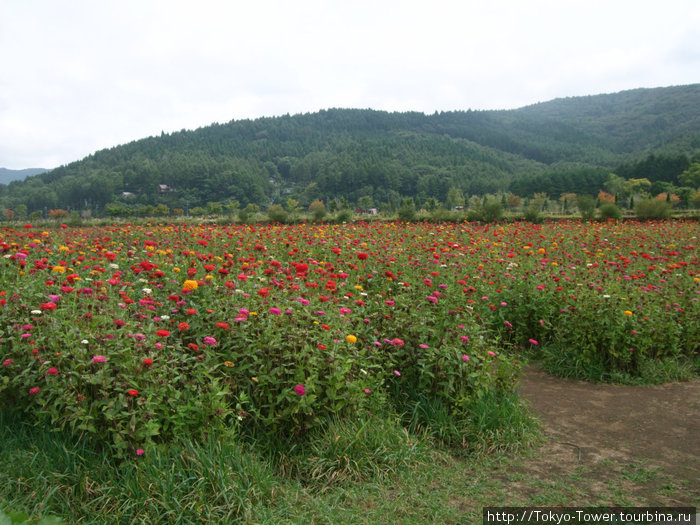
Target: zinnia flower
[(99, 359), (351, 338), (189, 285), (132, 392), (52, 372), (300, 390)]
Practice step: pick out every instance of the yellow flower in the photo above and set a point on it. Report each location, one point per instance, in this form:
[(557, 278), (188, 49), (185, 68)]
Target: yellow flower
[(628, 313), (59, 269), (190, 285), (228, 364), (351, 338)]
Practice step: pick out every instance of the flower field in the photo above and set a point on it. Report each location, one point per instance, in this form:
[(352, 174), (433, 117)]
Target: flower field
[(139, 333)]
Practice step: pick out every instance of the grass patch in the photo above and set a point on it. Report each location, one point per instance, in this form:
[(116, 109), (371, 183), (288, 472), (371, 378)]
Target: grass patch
[(562, 363)]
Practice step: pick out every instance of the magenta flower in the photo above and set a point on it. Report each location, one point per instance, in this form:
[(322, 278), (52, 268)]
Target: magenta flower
[(300, 390), (99, 359), (34, 391), (275, 311), (8, 363), (534, 341), (396, 372), (368, 391), (491, 353), (208, 340), (139, 452), (52, 372), (465, 338), (465, 358), (507, 324), (423, 346)]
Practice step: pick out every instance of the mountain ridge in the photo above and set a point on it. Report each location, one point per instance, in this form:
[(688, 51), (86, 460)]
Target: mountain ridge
[(563, 145)]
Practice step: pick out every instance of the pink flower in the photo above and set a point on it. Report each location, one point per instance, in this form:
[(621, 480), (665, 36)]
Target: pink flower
[(465, 358), (34, 391), (465, 338), (491, 353), (208, 340), (368, 391), (275, 311), (534, 341), (139, 452), (300, 390), (507, 324), (8, 363), (432, 299), (99, 359), (396, 372), (52, 372), (423, 346)]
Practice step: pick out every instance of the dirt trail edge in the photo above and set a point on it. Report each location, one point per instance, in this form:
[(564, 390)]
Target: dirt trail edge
[(646, 436)]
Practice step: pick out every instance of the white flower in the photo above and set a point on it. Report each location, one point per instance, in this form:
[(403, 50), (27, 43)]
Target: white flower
[(36, 312), (85, 341), (164, 317), (146, 291)]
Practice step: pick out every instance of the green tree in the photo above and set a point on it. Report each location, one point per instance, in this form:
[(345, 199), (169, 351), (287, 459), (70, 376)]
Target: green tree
[(691, 176), (586, 206), (407, 210), (455, 198), (292, 207), (318, 210)]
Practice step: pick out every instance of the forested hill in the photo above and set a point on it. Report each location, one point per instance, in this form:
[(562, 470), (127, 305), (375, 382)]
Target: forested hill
[(565, 145)]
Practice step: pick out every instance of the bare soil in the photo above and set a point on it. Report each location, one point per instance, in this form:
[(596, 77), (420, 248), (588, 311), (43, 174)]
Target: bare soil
[(613, 444)]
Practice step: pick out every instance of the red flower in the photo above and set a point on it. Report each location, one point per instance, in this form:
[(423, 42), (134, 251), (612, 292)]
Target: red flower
[(162, 333), (263, 292), (148, 362), (132, 392), (223, 326), (183, 326), (52, 372), (362, 256)]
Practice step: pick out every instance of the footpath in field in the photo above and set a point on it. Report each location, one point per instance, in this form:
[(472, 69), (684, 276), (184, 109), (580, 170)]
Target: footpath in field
[(645, 437)]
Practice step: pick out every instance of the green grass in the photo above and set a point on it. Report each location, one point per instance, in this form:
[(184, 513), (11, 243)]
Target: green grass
[(370, 470)]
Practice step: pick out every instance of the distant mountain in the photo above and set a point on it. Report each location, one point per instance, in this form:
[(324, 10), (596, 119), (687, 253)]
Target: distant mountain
[(8, 175), (564, 145)]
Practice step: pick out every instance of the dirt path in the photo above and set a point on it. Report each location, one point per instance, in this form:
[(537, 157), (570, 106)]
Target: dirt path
[(646, 438)]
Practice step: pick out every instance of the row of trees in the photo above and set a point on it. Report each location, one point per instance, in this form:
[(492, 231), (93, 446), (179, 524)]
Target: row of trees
[(457, 207)]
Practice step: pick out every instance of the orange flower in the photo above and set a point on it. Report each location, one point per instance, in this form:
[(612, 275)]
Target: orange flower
[(189, 285)]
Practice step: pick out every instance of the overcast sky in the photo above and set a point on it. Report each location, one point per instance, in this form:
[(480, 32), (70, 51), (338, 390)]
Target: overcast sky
[(79, 76)]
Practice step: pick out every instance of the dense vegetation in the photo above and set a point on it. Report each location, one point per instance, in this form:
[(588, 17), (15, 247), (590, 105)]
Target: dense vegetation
[(374, 158)]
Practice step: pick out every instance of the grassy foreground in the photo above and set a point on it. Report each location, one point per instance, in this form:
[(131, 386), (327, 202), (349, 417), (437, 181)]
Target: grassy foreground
[(377, 472)]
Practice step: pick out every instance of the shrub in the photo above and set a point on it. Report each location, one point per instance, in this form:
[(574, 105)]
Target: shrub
[(652, 209), (610, 211), (277, 213)]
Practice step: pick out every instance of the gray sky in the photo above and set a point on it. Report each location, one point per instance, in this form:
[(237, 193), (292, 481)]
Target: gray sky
[(78, 76)]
